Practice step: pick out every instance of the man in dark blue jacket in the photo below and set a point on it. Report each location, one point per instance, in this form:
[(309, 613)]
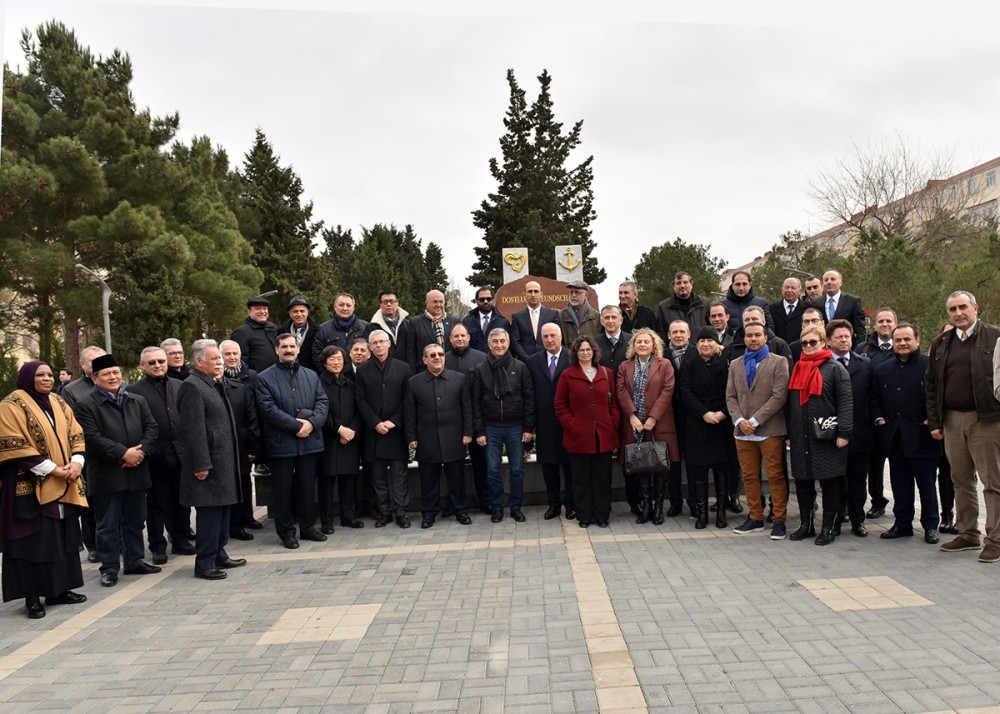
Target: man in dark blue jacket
[(483, 319), (901, 418), (292, 407)]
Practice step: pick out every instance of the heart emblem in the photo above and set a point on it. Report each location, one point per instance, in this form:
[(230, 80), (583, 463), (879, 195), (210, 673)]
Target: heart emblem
[(516, 261)]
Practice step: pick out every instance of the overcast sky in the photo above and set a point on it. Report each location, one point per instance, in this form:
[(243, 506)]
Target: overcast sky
[(705, 123)]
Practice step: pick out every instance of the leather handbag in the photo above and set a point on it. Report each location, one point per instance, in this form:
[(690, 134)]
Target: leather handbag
[(825, 428), (646, 457)]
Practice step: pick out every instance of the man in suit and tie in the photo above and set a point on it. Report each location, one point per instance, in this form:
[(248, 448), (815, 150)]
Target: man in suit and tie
[(545, 368), (786, 314), (482, 319), (613, 339), (526, 324), (838, 305), (878, 348), (841, 336), (813, 288)]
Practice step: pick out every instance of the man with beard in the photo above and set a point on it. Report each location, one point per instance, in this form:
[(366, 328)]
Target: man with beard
[(633, 314), (578, 317), (740, 296), (683, 305), (301, 325)]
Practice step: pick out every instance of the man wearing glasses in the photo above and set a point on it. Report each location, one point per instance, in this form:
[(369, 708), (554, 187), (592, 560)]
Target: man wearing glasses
[(438, 419), (482, 319), (174, 350), (163, 505), (389, 317)]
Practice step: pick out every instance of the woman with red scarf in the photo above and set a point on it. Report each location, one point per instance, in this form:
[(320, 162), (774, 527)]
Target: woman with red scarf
[(820, 421)]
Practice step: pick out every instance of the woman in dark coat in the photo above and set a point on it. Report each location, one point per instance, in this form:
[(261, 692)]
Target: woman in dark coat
[(703, 393), (41, 493), (588, 412), (341, 453), (819, 391), (645, 388)]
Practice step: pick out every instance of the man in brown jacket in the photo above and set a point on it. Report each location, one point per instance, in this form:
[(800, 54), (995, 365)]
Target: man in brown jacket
[(755, 395)]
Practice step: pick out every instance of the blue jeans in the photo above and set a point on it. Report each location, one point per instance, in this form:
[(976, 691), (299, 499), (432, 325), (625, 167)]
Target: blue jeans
[(496, 438), (120, 519)]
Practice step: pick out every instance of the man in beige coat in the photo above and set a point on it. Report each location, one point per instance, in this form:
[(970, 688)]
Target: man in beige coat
[(756, 394)]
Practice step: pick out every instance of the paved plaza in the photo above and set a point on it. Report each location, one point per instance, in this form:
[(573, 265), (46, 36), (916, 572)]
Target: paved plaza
[(541, 616)]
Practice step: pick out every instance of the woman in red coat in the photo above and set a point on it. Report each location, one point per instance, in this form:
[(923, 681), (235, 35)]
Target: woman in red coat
[(588, 412), (645, 394)]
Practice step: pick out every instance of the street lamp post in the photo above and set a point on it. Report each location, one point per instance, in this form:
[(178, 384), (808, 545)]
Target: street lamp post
[(105, 304)]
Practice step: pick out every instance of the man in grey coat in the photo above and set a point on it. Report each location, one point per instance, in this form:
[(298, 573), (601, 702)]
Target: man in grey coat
[(209, 459)]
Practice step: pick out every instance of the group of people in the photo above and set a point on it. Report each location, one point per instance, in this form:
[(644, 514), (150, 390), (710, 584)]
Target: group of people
[(334, 411)]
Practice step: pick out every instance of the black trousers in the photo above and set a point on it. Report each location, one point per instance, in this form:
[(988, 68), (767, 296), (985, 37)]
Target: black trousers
[(805, 492), (946, 488), (294, 481), (164, 510), (241, 514), (853, 487), (477, 455), (392, 489), (592, 486), (213, 535), (430, 487), (876, 476), (347, 490), (904, 472), (550, 473)]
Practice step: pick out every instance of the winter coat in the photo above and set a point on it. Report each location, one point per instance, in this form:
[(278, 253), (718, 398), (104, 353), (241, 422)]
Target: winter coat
[(380, 394), (516, 409), (209, 442), (438, 415), (110, 431), (814, 458), (282, 392), (659, 403), (257, 342), (586, 409), (702, 390), (548, 431), (340, 391)]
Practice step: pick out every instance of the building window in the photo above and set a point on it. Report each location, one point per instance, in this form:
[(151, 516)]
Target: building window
[(984, 212), (952, 194), (973, 185), (991, 179)]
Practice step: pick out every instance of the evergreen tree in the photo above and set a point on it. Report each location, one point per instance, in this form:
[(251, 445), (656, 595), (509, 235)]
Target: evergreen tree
[(277, 224), (540, 202), (654, 273)]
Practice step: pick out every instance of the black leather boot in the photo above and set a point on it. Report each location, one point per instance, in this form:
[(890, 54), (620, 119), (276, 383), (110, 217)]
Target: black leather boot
[(826, 535), (701, 503), (721, 498), (659, 486), (808, 527), (645, 499)]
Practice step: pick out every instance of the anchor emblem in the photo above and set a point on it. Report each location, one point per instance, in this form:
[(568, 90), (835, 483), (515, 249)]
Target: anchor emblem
[(569, 264)]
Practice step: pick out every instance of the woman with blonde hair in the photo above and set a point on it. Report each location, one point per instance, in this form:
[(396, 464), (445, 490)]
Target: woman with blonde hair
[(645, 389)]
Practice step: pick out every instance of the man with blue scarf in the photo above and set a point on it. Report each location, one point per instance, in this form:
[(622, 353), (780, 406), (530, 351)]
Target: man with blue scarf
[(756, 394)]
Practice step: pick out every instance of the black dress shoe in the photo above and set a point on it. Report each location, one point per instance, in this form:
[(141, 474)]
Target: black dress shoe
[(67, 598), (352, 524), (241, 534), (231, 563), (213, 574), (570, 514), (290, 542), (464, 519), (254, 525), (602, 524), (551, 512), (497, 515), (143, 568), (674, 510), (326, 530), (426, 522), (313, 535), (159, 558), (383, 520), (859, 530), (517, 515), (735, 505), (33, 606), (182, 547), (403, 521), (109, 579), (876, 512), (897, 532), (584, 524), (486, 509), (931, 536), (92, 557)]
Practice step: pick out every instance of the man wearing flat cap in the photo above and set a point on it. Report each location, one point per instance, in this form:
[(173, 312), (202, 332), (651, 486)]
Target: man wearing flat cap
[(120, 433), (578, 317), (301, 326), (257, 336)]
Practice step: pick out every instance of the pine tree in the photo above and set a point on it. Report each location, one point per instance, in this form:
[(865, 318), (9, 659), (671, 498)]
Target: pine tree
[(540, 202)]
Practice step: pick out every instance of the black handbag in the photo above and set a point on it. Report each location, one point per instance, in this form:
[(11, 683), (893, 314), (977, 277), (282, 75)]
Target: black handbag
[(646, 457), (825, 428)]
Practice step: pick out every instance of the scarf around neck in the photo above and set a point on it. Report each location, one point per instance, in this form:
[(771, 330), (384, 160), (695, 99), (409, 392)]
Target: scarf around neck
[(806, 376), (751, 360), (501, 380)]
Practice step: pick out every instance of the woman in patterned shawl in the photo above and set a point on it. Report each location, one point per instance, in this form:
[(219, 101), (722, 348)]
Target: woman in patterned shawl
[(41, 490)]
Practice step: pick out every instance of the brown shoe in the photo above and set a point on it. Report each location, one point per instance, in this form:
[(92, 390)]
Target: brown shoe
[(957, 545), (990, 554)]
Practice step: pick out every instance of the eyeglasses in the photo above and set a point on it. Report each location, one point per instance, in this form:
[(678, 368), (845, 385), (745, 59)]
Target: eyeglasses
[(436, 355), (175, 354), (156, 361), (809, 343), (484, 299), (388, 301)]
